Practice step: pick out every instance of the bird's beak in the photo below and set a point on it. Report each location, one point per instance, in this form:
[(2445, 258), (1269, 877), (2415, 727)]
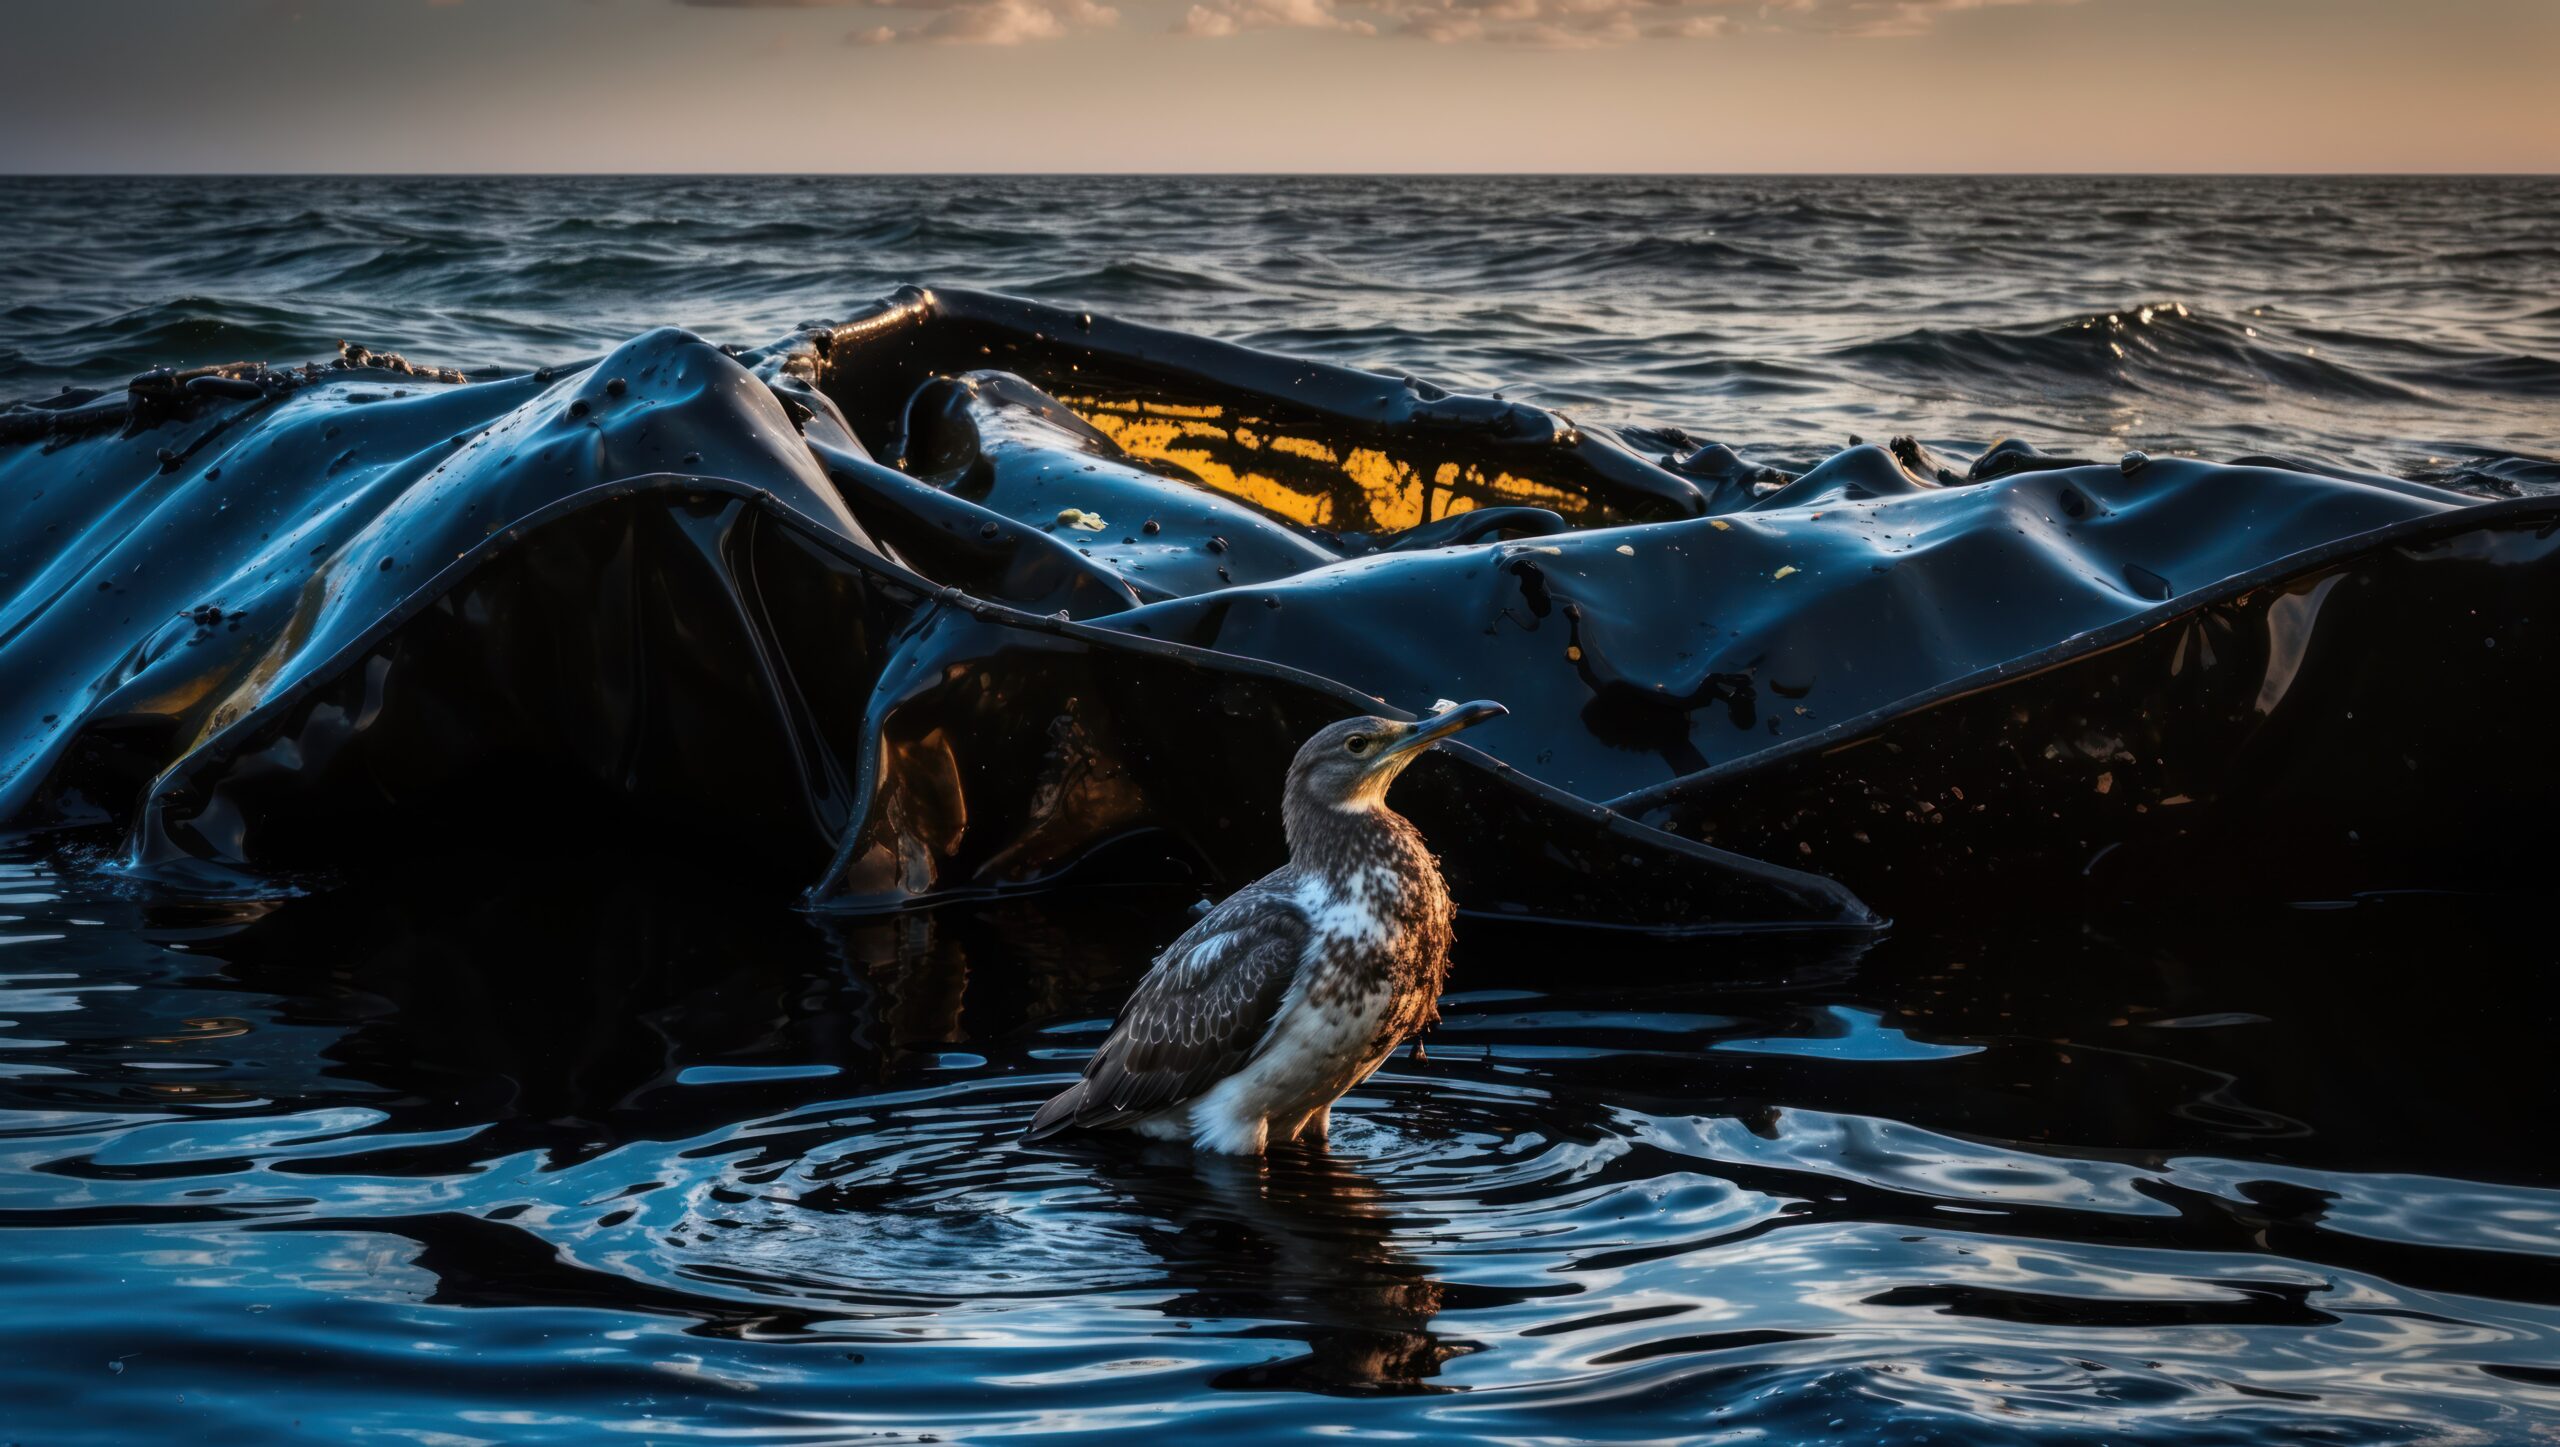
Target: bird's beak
[(1442, 724)]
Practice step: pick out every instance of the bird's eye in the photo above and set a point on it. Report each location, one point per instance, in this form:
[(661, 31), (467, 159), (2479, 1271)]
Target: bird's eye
[(1357, 743)]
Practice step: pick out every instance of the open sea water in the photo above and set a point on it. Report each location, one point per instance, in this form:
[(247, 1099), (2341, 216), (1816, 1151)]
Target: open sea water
[(543, 1151)]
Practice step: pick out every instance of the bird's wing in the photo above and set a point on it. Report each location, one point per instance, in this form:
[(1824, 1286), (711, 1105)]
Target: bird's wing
[(1195, 1019)]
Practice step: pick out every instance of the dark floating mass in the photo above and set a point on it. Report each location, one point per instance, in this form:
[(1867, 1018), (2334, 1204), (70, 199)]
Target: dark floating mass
[(968, 592)]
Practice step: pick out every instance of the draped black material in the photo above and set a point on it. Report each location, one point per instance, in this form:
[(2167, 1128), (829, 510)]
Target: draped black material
[(970, 592)]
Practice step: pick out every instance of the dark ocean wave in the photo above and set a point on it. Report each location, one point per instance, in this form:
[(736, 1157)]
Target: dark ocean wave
[(2160, 347), (1650, 257), (1119, 281), (185, 330), (2372, 322)]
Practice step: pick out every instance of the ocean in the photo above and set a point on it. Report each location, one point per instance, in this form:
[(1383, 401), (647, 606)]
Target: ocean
[(2409, 326), (513, 1147)]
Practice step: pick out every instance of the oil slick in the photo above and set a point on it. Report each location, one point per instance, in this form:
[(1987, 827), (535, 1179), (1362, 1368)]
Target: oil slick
[(969, 592)]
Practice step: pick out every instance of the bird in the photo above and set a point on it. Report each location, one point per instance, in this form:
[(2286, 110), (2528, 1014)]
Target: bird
[(1295, 988)]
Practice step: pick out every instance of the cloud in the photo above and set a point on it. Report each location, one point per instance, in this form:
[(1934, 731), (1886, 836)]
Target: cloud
[(1883, 19), (1221, 18), (1528, 24), (1574, 24), (981, 22), (944, 22), (1691, 27)]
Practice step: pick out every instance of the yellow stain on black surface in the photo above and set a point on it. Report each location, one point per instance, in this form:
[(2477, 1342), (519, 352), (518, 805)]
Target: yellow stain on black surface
[(1309, 480)]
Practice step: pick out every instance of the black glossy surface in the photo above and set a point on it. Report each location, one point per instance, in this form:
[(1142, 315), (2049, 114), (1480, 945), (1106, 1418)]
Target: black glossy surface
[(674, 590)]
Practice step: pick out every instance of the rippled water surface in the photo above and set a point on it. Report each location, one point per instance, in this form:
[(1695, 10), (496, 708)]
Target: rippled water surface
[(593, 1150), (532, 1149), (2401, 325)]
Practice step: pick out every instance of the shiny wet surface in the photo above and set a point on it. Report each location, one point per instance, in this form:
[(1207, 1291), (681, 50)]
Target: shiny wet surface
[(2401, 324), (585, 1150)]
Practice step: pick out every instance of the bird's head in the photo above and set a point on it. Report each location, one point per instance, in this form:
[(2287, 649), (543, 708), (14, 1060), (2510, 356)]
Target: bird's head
[(1347, 766)]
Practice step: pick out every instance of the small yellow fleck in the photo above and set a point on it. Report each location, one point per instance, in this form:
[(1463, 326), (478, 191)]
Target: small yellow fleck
[(1782, 572), (1076, 517), (1573, 652), (1720, 525), (1627, 550)]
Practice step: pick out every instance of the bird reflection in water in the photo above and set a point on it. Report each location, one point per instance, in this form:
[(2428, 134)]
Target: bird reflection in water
[(1303, 1245)]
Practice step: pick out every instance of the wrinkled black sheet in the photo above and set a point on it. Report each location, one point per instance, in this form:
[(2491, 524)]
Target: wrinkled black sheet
[(969, 592)]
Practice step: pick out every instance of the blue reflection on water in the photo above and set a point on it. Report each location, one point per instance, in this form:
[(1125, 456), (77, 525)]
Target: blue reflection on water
[(1863, 1035), (601, 1157), (731, 1074)]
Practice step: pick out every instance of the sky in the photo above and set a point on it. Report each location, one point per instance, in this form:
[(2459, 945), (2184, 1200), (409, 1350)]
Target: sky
[(1279, 85)]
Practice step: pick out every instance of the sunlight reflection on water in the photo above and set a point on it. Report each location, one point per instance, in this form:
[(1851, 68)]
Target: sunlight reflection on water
[(773, 1196)]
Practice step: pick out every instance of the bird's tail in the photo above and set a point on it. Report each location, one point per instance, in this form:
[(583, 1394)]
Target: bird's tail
[(1057, 1115)]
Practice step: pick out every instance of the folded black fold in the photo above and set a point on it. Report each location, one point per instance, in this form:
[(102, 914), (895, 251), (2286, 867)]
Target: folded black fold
[(971, 594)]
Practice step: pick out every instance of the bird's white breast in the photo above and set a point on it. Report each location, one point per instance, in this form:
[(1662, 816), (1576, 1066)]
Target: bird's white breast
[(1313, 1054), (1355, 911), (1314, 1050)]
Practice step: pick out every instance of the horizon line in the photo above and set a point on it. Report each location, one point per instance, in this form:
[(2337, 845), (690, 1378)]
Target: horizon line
[(993, 174)]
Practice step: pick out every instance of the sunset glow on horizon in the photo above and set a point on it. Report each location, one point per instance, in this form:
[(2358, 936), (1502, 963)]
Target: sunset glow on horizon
[(1279, 85)]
